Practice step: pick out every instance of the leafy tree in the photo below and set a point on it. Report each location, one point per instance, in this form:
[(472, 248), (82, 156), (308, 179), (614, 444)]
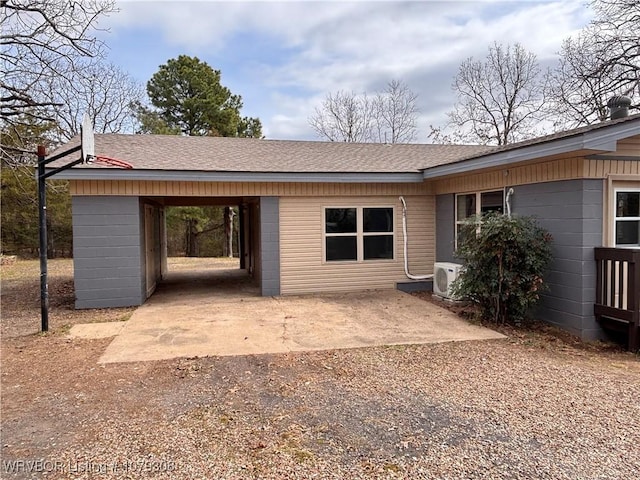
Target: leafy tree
[(603, 60), (187, 96), (198, 231), (19, 212), (504, 262), (501, 98), (389, 117)]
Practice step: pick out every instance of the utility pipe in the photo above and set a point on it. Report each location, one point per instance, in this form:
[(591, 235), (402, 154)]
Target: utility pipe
[(508, 202), (405, 240)]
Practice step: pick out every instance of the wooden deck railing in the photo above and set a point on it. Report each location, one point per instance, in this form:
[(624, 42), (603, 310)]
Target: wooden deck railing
[(618, 291)]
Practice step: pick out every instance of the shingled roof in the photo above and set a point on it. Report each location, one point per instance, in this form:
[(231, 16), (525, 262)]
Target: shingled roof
[(238, 156), (220, 154)]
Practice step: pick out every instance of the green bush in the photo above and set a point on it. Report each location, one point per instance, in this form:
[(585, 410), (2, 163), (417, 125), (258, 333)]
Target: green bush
[(504, 261)]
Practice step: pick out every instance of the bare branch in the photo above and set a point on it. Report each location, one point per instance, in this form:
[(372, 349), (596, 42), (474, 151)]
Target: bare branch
[(389, 117), (43, 40), (500, 98)]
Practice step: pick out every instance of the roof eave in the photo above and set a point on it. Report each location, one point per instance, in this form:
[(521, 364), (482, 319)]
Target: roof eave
[(250, 177), (601, 140)]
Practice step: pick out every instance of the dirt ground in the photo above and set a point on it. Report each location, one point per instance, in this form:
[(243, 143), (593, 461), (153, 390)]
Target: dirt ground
[(536, 405)]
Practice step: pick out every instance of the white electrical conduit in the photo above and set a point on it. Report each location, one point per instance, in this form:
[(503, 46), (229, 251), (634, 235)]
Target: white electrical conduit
[(405, 239), (508, 202)]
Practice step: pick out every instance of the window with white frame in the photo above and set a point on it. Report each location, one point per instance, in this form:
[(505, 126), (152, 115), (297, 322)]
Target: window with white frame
[(627, 218), (358, 233), (477, 203)]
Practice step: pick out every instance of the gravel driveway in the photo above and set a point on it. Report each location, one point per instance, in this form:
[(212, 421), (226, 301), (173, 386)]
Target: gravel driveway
[(473, 410), (532, 406)]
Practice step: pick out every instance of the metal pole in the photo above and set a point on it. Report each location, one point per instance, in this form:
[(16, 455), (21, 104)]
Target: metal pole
[(42, 207)]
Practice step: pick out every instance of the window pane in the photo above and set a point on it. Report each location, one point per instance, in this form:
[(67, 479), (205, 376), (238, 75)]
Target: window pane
[(466, 206), (341, 248), (340, 220), (628, 232), (491, 202), (378, 246), (378, 219), (628, 204)]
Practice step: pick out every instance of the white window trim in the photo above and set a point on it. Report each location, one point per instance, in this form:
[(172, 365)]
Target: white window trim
[(615, 217), (478, 194), (359, 234)]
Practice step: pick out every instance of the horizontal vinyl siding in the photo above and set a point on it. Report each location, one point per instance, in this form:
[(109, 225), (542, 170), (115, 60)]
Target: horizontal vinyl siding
[(302, 268), (236, 189)]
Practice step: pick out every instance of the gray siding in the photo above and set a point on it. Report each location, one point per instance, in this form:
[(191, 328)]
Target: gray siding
[(572, 212), (107, 251), (270, 246), (445, 228)]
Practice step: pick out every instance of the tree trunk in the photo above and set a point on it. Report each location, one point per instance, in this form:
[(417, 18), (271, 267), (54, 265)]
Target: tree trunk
[(228, 232), (191, 244)]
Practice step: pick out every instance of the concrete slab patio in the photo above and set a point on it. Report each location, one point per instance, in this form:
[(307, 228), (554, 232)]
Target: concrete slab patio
[(203, 321)]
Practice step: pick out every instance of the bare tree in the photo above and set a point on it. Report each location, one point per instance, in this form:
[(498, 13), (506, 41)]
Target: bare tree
[(500, 98), (396, 113), (389, 117), (344, 117), (42, 40), (601, 61), (105, 92)]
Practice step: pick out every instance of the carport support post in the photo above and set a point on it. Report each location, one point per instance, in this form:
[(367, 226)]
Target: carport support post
[(42, 207)]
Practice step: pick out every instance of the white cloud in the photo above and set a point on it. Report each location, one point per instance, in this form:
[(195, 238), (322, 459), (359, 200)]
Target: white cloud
[(354, 45)]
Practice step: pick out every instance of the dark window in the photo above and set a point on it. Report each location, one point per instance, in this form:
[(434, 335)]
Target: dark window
[(627, 221), (480, 203), (491, 202), (466, 206), (378, 247), (357, 234), (628, 204), (342, 248), (377, 220), (340, 220)]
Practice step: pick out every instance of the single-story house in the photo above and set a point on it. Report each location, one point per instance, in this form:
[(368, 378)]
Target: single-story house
[(327, 217)]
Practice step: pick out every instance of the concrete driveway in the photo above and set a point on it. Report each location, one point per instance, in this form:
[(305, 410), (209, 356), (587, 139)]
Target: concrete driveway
[(201, 321)]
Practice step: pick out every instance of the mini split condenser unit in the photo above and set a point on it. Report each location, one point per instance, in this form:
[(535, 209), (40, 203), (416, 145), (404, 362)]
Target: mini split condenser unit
[(444, 273)]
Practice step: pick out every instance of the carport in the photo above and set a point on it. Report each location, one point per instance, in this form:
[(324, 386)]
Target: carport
[(120, 251), (155, 234)]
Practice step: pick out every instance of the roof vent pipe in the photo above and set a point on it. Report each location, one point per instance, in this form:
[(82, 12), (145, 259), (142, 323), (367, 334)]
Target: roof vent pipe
[(619, 106)]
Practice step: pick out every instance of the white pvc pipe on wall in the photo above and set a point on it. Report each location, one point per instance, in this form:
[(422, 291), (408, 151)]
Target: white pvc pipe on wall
[(405, 240)]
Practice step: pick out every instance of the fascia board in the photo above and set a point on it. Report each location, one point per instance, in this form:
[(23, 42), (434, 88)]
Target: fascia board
[(196, 176)]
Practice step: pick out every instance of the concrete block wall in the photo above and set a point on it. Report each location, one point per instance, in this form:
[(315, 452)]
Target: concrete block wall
[(572, 212), (107, 251), (269, 246)]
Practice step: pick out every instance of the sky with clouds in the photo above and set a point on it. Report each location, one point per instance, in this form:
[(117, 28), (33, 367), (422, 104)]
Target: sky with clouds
[(284, 57)]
